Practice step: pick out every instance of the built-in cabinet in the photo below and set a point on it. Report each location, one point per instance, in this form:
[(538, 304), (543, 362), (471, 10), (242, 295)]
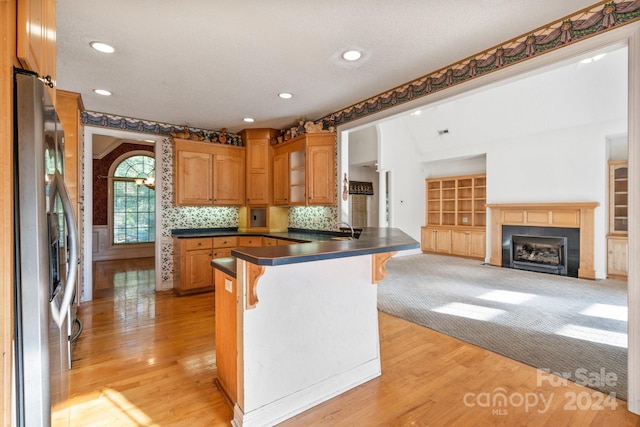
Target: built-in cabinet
[(258, 166), (208, 174), (455, 221), (36, 39), (192, 259), (192, 262), (226, 333), (304, 170), (617, 239)]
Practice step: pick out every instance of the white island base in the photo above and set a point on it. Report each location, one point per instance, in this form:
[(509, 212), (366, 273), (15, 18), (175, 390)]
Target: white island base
[(306, 332)]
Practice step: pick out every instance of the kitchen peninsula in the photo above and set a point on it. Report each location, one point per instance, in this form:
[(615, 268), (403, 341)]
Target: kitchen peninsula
[(297, 324)]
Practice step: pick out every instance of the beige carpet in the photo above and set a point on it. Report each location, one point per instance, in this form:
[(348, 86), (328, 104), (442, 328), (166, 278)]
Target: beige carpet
[(573, 327)]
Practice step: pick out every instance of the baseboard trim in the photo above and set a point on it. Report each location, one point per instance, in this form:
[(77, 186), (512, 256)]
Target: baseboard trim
[(289, 406)]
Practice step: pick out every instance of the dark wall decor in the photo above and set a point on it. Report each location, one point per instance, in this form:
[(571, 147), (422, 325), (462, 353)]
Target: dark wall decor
[(101, 185)]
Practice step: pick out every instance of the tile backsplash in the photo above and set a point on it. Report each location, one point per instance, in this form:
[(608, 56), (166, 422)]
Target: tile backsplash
[(313, 217)]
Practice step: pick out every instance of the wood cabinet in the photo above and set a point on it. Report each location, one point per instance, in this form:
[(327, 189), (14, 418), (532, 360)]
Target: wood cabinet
[(617, 239), (618, 197), (208, 174), (192, 268), (457, 201), (226, 333), (193, 178), (455, 221), (249, 241), (269, 241), (281, 179), (192, 262), (258, 166), (228, 179), (436, 240), (304, 171), (36, 38), (468, 243), (617, 256)]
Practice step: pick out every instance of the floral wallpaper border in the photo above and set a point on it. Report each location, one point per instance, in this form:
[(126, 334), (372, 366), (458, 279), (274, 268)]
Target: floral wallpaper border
[(586, 23), (92, 118)]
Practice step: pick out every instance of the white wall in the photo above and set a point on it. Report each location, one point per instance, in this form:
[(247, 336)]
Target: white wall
[(363, 146), (406, 177), (546, 139)]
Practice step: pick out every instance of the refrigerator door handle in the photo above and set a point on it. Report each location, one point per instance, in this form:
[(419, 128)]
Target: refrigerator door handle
[(58, 186)]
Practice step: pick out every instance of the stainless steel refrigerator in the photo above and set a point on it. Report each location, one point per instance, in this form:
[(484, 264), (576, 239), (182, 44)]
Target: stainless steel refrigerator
[(46, 259)]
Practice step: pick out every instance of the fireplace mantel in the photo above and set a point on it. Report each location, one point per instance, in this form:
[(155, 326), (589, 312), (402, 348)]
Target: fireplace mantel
[(573, 215)]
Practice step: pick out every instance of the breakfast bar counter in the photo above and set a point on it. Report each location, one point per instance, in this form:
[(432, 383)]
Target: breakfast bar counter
[(297, 324)]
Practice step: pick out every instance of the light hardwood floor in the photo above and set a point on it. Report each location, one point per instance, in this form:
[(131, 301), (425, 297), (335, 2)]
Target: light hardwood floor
[(147, 359)]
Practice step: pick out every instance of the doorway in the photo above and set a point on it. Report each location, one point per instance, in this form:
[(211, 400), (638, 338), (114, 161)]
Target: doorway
[(100, 141)]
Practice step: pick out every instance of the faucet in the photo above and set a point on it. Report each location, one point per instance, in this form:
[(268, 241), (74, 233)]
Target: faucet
[(353, 233)]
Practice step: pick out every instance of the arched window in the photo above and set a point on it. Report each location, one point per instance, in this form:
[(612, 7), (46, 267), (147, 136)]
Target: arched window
[(134, 200)]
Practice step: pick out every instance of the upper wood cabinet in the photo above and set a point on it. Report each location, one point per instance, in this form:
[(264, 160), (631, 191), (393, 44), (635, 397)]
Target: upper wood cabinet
[(305, 170), (281, 179), (259, 170), (36, 38), (208, 174)]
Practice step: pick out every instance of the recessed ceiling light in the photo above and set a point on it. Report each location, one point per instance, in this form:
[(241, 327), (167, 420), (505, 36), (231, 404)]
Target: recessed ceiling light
[(285, 95), (248, 120), (102, 47), (416, 113), (352, 55), (102, 92)]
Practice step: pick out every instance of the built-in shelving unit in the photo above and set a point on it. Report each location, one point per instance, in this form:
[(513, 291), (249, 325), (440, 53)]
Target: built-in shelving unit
[(457, 201), (617, 240), (456, 216)]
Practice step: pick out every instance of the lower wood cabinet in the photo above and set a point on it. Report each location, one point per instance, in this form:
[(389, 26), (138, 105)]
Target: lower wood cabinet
[(468, 243), (249, 241), (436, 240), (617, 256), (226, 333), (192, 262), (192, 271), (454, 241)]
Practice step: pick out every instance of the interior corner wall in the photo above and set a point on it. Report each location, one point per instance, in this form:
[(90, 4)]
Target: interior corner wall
[(400, 157)]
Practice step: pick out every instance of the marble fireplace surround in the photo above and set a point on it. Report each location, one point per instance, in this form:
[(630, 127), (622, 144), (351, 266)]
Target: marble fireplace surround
[(573, 215)]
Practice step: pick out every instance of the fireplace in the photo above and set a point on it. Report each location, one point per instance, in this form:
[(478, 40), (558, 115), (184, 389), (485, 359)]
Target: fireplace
[(554, 250), (573, 220), (542, 254)]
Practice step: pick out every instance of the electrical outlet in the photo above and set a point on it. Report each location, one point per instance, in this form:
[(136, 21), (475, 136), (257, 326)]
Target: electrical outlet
[(228, 285)]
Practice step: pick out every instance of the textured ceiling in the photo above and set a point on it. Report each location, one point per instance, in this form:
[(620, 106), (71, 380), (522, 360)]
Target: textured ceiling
[(208, 64)]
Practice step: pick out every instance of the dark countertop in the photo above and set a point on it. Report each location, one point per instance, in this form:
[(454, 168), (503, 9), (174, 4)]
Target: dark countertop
[(317, 245), (226, 265)]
